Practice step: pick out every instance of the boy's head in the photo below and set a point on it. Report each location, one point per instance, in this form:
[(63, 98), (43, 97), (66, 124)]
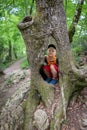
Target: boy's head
[(51, 50), (52, 45)]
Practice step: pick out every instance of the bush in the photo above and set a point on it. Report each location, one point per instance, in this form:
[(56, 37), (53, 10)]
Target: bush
[(25, 64)]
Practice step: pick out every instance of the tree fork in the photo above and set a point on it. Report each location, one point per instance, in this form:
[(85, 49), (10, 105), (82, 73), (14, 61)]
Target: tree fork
[(51, 21)]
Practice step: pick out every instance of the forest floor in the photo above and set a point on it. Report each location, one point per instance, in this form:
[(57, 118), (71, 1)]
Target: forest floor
[(77, 113), (13, 78)]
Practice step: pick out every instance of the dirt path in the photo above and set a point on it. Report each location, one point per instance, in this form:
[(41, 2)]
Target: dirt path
[(14, 77), (11, 69), (14, 67)]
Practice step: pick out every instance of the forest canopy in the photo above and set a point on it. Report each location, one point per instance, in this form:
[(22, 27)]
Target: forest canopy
[(11, 12)]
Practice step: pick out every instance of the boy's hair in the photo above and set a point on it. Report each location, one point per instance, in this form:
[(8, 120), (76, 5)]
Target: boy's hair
[(51, 45)]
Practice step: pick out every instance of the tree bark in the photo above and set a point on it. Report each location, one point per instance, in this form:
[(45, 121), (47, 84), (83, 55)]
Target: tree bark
[(50, 21)]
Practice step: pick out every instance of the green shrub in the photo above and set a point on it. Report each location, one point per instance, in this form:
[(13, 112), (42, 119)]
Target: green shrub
[(25, 64)]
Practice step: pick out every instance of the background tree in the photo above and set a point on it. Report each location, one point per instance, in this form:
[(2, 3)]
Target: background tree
[(10, 13)]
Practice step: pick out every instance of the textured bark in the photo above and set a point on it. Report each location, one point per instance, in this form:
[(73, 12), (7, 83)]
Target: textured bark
[(51, 22)]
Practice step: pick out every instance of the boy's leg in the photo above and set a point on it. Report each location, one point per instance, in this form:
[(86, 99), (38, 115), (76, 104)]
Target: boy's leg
[(54, 71), (53, 81), (47, 71)]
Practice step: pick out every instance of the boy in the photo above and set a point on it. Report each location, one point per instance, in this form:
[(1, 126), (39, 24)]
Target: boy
[(49, 69)]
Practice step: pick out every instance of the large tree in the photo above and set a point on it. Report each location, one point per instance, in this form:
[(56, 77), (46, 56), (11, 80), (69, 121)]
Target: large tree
[(45, 107)]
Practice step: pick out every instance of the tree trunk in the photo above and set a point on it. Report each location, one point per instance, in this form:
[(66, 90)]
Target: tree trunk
[(31, 8), (45, 107), (15, 53), (26, 8), (10, 51)]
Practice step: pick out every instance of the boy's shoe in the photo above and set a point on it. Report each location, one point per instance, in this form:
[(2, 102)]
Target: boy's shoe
[(53, 81), (48, 80)]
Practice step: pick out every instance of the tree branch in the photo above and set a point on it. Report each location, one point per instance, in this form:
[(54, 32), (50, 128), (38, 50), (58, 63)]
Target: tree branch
[(26, 22), (75, 19), (79, 75)]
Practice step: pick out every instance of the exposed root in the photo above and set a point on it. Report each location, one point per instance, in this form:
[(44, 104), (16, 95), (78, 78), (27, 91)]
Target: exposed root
[(50, 110)]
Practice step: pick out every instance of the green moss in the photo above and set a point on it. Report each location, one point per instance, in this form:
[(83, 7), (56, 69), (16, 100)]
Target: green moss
[(47, 93), (65, 121), (58, 116), (52, 125), (31, 105)]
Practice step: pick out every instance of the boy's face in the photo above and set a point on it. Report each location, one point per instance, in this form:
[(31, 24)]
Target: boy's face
[(51, 51)]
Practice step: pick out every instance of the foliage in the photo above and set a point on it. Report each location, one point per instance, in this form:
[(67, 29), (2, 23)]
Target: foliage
[(79, 40), (11, 12), (25, 64)]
